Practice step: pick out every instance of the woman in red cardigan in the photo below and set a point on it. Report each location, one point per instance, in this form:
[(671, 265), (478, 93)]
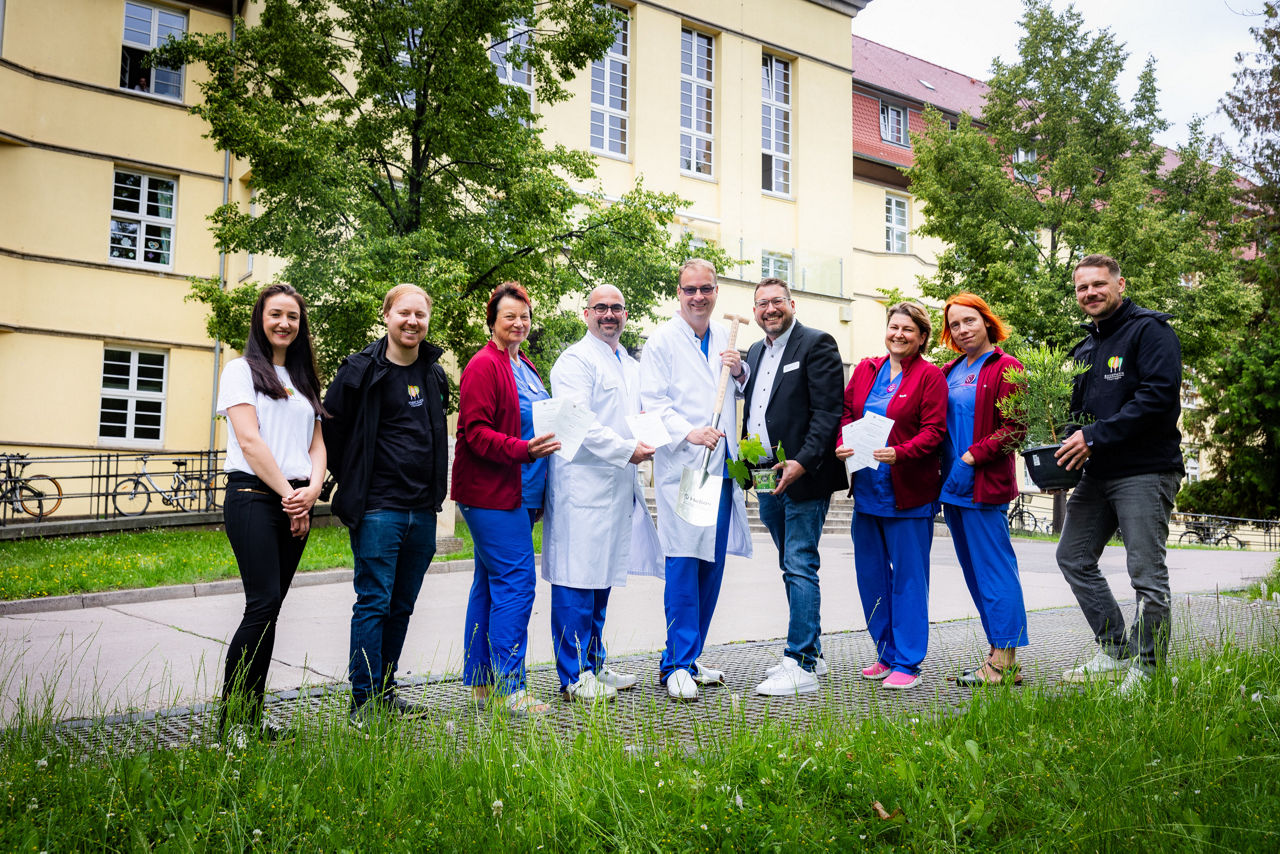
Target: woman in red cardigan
[(894, 503), (981, 481), (499, 478)]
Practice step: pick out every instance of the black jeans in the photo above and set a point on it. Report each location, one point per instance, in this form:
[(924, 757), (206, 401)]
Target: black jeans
[(268, 556)]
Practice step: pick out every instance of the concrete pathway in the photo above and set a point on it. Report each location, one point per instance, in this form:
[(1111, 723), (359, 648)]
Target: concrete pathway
[(151, 655)]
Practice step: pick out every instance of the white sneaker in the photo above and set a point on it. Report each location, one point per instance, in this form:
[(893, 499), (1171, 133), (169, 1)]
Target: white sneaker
[(787, 680), (1101, 666), (680, 686), (589, 688), (708, 675), (618, 681), (1135, 682), (819, 667)]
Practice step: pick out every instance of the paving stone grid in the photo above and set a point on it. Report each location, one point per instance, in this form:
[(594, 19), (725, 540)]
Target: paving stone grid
[(645, 716)]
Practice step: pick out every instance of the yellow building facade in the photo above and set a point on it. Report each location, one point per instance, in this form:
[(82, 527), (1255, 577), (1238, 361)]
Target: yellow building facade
[(107, 182), (741, 106)]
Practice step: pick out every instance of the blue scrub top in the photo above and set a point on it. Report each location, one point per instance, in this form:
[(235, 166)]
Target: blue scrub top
[(533, 483), (873, 488), (962, 394)]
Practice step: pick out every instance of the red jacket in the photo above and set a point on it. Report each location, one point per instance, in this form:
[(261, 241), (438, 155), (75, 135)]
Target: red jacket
[(919, 413), (994, 477), (489, 452)]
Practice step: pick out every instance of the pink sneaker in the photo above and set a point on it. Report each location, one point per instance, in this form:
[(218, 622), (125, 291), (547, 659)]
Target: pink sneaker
[(899, 681), (879, 670)]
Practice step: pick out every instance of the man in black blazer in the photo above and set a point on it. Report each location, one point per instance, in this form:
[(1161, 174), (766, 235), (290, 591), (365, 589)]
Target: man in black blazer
[(794, 395)]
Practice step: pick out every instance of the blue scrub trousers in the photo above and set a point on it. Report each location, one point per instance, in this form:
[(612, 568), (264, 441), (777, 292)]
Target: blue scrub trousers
[(501, 602), (891, 556), (690, 595), (577, 624), (990, 570)]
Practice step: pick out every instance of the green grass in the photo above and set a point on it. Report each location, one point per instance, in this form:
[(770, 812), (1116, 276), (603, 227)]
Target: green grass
[(1192, 766), (61, 566)]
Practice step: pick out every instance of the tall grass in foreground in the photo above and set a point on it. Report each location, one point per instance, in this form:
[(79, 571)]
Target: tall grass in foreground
[(1194, 765)]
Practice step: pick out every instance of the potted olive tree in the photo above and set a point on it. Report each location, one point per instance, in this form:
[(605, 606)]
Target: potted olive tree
[(1043, 403)]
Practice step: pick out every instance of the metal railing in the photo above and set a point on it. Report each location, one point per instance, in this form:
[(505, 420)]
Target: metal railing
[(108, 485)]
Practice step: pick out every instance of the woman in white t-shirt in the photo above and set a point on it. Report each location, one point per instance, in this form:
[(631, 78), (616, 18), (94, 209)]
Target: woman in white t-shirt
[(275, 467)]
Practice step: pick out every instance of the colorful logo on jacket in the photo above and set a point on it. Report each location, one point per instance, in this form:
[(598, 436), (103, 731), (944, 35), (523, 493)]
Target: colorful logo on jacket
[(415, 395), (1114, 362), (1113, 368)]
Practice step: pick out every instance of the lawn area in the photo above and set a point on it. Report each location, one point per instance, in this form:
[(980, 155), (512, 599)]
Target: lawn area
[(1191, 766), (60, 566)]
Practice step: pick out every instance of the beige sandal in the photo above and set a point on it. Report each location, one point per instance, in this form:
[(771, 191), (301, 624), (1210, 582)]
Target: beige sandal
[(522, 704)]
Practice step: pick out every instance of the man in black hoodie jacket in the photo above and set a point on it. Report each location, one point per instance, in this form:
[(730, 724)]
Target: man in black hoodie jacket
[(1130, 449)]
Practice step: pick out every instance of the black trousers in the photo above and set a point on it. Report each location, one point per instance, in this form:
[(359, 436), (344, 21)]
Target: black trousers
[(268, 556)]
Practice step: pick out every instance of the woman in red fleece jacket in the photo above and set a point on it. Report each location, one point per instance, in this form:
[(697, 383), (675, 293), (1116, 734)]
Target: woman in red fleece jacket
[(981, 482), (894, 503), (499, 478)]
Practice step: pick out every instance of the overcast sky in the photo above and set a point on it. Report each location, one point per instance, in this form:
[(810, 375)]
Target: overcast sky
[(1194, 43)]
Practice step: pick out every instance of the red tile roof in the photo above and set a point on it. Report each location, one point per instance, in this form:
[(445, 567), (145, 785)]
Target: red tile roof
[(893, 71)]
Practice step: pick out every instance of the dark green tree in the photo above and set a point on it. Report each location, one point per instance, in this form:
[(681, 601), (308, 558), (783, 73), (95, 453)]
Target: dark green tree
[(1057, 167), (1240, 419), (384, 148)]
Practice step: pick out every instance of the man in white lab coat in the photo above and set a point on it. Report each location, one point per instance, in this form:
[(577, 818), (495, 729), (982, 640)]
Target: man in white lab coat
[(597, 526), (679, 374)]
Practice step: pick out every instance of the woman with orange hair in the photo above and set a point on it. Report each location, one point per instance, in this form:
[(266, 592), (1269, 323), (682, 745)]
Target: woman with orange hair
[(981, 481)]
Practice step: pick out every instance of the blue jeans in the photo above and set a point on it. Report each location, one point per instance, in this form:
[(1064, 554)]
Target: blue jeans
[(1139, 505), (577, 630), (392, 550), (795, 527), (501, 602)]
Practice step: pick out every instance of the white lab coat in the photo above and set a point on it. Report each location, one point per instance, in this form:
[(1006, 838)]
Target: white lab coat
[(597, 526), (679, 384)]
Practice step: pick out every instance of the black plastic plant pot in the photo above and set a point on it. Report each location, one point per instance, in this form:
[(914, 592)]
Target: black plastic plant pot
[(1046, 472)]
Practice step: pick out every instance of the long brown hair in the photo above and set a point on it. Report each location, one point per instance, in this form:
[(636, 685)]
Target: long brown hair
[(299, 359)]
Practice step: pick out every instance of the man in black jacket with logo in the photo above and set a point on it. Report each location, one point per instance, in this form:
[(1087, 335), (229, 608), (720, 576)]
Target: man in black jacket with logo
[(794, 399), (389, 452), (1130, 449)]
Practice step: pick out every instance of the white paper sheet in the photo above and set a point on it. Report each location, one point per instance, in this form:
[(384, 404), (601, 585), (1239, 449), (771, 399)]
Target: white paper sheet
[(865, 435), (565, 417), (647, 427)]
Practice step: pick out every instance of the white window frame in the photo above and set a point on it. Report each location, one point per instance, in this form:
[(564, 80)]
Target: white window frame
[(775, 125), (519, 76), (135, 394), (697, 85), (160, 24), (152, 229), (1022, 156), (887, 113), (897, 229), (610, 125), (778, 265)]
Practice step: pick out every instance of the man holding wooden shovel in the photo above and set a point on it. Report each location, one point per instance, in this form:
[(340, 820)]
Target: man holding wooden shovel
[(684, 378)]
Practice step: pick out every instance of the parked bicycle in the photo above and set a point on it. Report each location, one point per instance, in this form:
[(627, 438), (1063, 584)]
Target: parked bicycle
[(132, 495), (1208, 532), (36, 495), (1022, 519)]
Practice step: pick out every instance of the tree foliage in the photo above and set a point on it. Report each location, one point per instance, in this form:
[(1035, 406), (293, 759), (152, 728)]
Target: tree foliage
[(1240, 419), (1060, 167), (384, 148)]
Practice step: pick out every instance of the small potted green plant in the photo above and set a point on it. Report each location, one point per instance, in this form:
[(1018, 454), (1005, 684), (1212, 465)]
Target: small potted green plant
[(1042, 403), (751, 449)]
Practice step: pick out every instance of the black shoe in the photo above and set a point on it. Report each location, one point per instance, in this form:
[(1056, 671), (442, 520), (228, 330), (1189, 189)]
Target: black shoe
[(407, 708), (361, 716)]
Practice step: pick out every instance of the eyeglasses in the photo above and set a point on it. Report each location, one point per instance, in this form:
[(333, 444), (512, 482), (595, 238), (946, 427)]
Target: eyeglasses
[(615, 308), (776, 302), (705, 290)]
